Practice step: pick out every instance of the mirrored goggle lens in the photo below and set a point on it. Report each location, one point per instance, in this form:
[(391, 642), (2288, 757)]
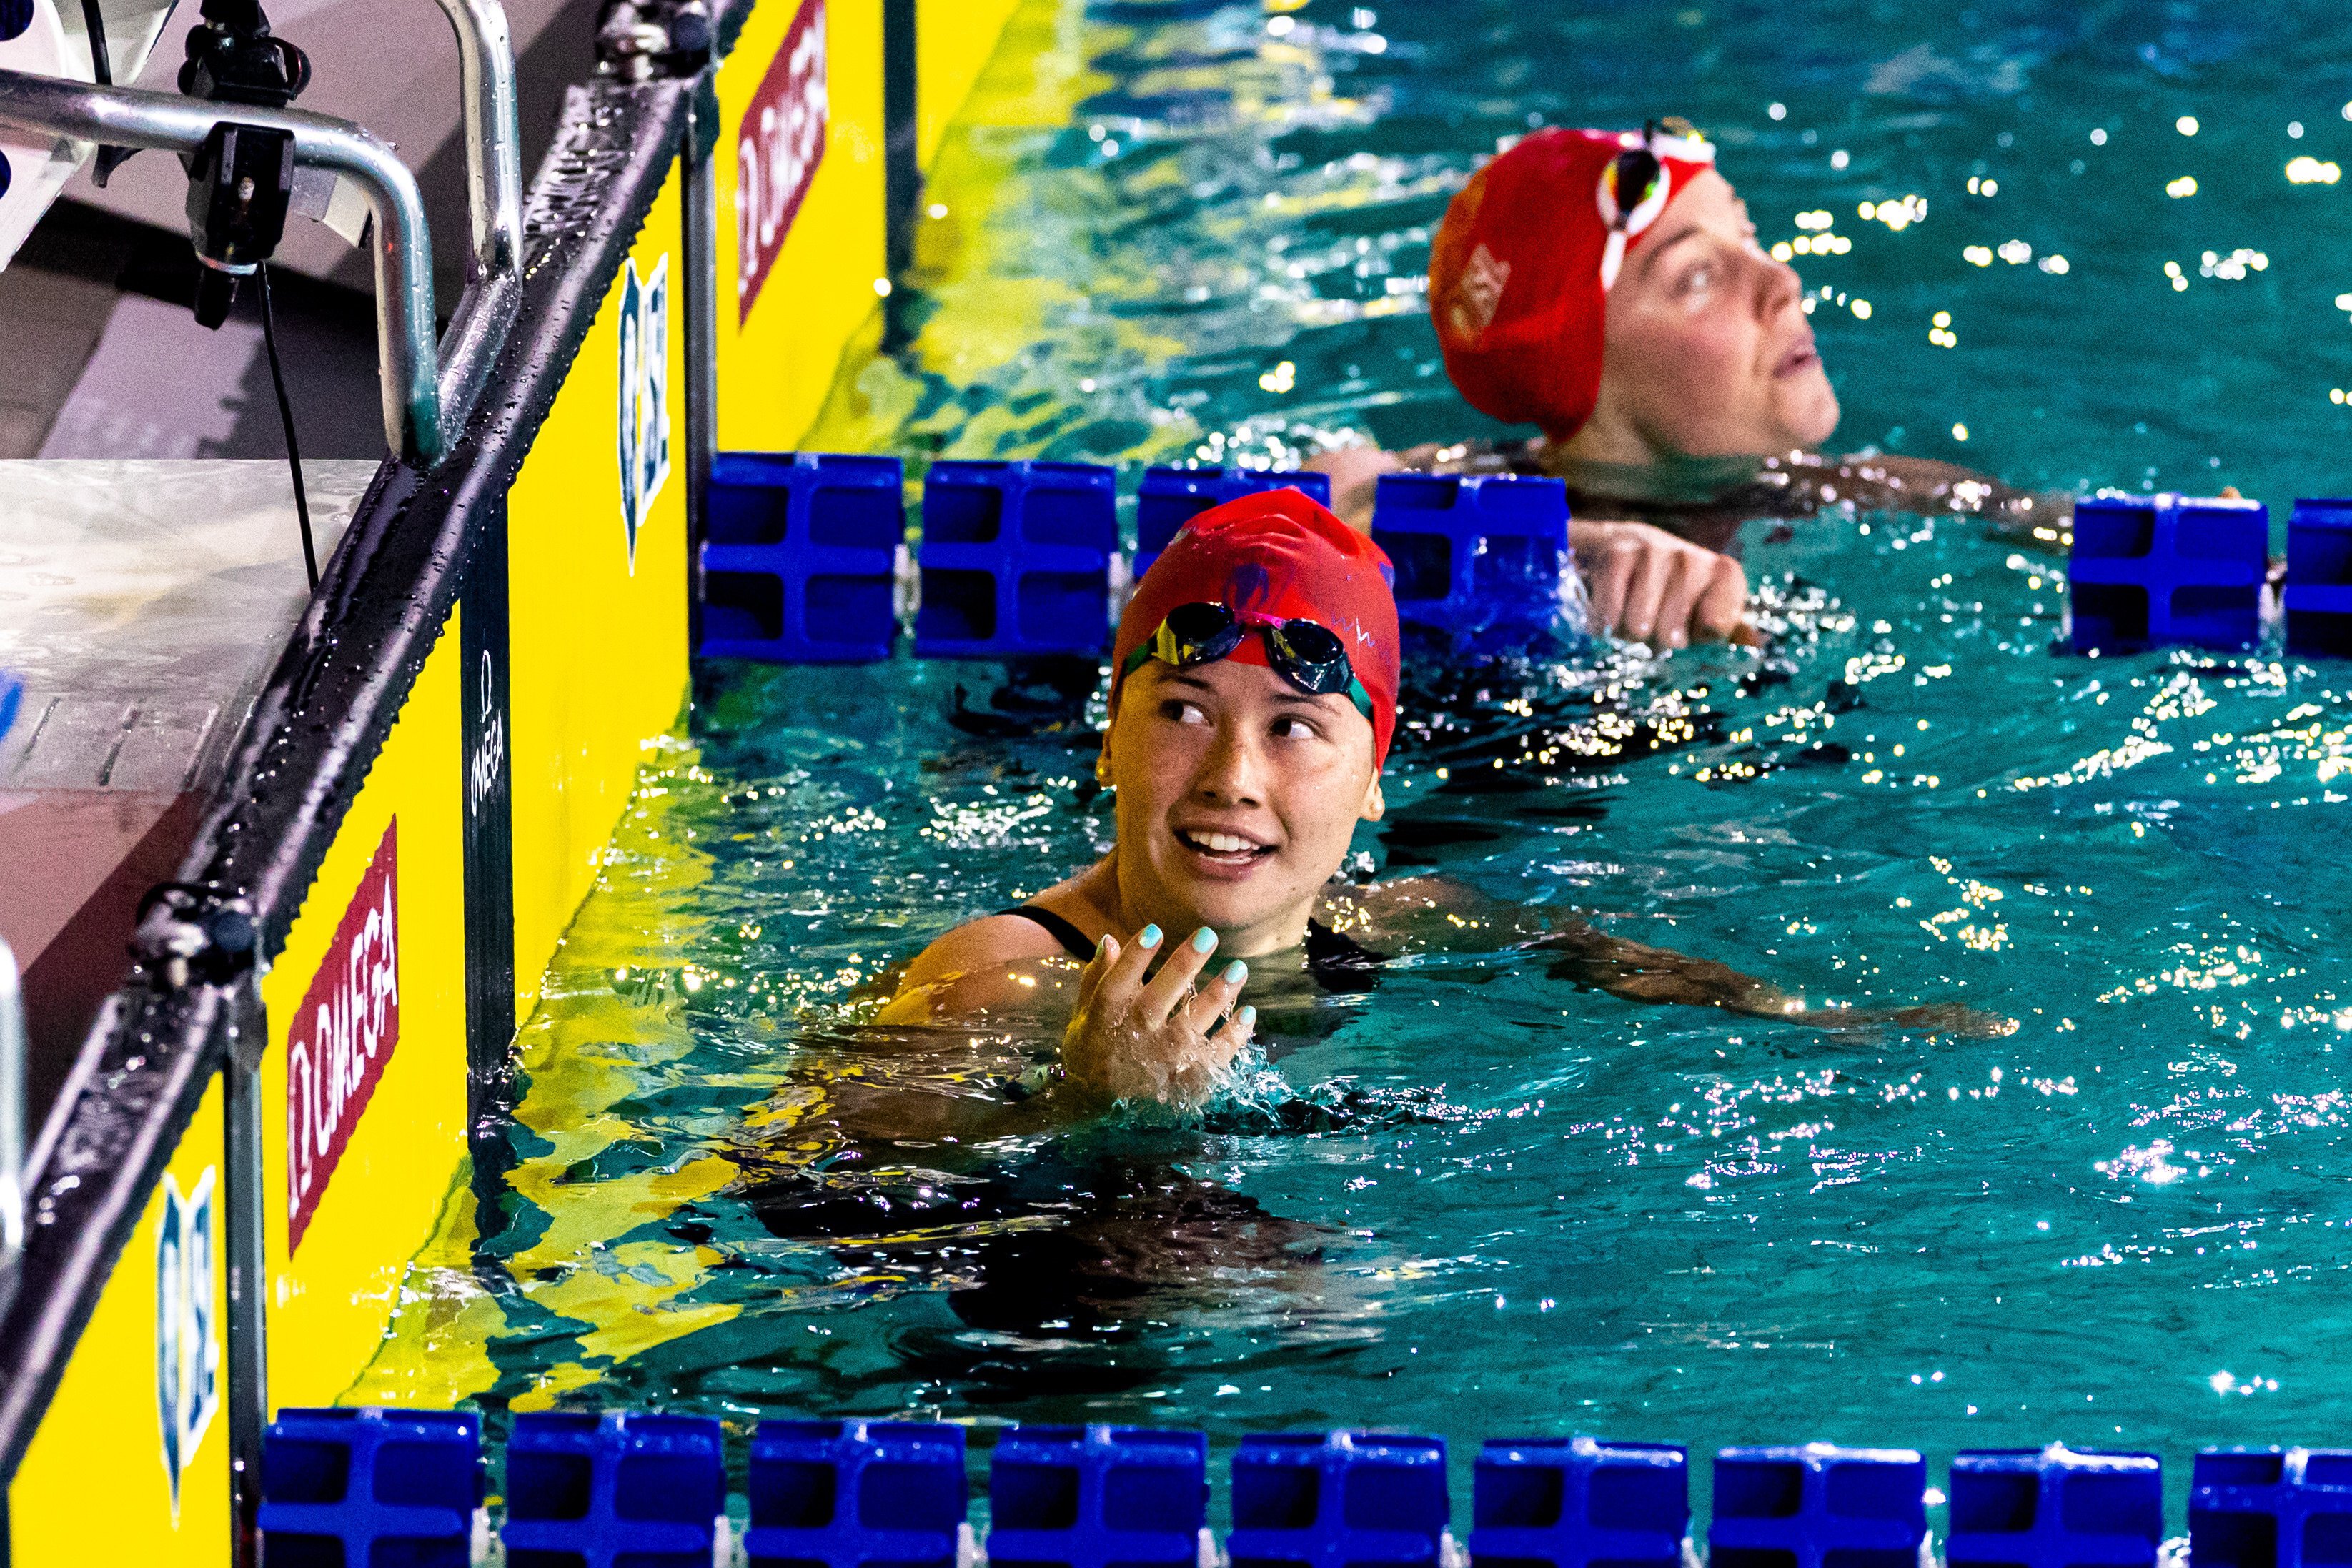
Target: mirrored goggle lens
[(1195, 634), (1312, 655), (1632, 177)]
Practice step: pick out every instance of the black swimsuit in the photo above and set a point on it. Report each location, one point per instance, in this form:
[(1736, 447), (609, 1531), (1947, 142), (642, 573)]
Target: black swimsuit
[(1336, 962)]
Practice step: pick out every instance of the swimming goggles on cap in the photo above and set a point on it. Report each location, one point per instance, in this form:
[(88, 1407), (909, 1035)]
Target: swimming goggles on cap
[(1309, 656), (1635, 185)]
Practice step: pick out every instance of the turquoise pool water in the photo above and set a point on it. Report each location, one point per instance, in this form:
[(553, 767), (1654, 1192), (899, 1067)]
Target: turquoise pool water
[(1487, 1203)]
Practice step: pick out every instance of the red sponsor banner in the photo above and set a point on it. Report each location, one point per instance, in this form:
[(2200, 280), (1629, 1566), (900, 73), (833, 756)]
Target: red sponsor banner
[(340, 1041), (778, 149)]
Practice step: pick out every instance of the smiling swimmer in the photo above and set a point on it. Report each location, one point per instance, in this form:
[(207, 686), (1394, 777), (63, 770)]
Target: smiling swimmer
[(1253, 694), (1607, 288)]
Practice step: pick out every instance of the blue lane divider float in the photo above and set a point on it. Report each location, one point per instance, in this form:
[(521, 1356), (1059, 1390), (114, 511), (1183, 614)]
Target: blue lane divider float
[(371, 1486), (12, 697), (1471, 552), (1818, 1505), (2318, 599), (1313, 1501), (1097, 1497), (2146, 570), (632, 1490), (1572, 1502), (2054, 1508), (2250, 1509), (849, 1493), (1016, 559), (614, 1491), (800, 556), (1170, 498)]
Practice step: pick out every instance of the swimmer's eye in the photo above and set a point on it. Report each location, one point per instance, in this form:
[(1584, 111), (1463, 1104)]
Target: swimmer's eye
[(1176, 710), (1698, 280), (1294, 729)]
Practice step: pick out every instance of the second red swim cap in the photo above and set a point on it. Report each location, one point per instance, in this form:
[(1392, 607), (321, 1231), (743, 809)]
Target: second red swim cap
[(1281, 554), (1519, 272)]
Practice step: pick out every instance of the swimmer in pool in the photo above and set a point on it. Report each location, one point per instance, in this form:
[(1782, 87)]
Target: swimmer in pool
[(1609, 290), (1254, 694)]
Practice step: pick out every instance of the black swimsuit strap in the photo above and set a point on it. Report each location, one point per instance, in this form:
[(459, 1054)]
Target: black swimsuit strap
[(1073, 940), (1339, 963)]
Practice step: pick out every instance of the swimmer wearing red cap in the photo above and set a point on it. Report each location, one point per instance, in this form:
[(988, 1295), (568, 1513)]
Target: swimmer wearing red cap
[(1254, 694), (1607, 288)]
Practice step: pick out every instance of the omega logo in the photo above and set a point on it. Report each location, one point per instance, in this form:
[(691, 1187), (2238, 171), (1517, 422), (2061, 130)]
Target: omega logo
[(489, 758)]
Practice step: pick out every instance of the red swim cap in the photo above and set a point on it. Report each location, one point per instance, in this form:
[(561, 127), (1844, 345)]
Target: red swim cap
[(1519, 272), (1279, 553)]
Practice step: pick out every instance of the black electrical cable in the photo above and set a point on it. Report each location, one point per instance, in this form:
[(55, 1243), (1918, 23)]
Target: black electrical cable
[(98, 60), (286, 416), (101, 65)]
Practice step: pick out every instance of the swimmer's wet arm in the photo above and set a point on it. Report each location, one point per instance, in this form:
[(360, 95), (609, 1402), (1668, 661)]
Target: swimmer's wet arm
[(2042, 520), (1636, 972)]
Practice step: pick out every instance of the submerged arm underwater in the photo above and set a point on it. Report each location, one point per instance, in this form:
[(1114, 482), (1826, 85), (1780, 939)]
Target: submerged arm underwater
[(1439, 912)]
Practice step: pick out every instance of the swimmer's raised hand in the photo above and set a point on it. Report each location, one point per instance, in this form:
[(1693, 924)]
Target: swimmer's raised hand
[(1135, 1037), (1647, 587)]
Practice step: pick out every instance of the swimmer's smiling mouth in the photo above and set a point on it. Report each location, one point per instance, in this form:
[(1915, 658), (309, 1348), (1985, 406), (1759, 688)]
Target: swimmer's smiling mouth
[(1223, 848)]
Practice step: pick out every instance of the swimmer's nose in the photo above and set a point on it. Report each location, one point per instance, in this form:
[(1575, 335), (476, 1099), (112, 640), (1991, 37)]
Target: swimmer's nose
[(1777, 288), (1230, 773)]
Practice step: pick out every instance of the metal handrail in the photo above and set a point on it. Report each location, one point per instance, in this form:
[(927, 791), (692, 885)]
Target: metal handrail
[(126, 116), (486, 75), (477, 329)]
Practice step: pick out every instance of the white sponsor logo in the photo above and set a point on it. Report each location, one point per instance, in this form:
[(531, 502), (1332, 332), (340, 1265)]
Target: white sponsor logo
[(187, 1335), (780, 145), (489, 758), (645, 395), (342, 1036)]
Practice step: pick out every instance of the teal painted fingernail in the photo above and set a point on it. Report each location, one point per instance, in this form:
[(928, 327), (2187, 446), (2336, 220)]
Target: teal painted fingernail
[(1203, 940), (1246, 1019), (1236, 971), (1147, 937)]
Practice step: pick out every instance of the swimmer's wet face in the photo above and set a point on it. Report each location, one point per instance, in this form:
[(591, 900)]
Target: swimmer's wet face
[(1238, 796), (1707, 348)]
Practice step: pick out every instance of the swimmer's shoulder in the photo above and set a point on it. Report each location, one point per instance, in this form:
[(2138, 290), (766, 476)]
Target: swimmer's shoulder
[(988, 942), (997, 960), (994, 964)]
